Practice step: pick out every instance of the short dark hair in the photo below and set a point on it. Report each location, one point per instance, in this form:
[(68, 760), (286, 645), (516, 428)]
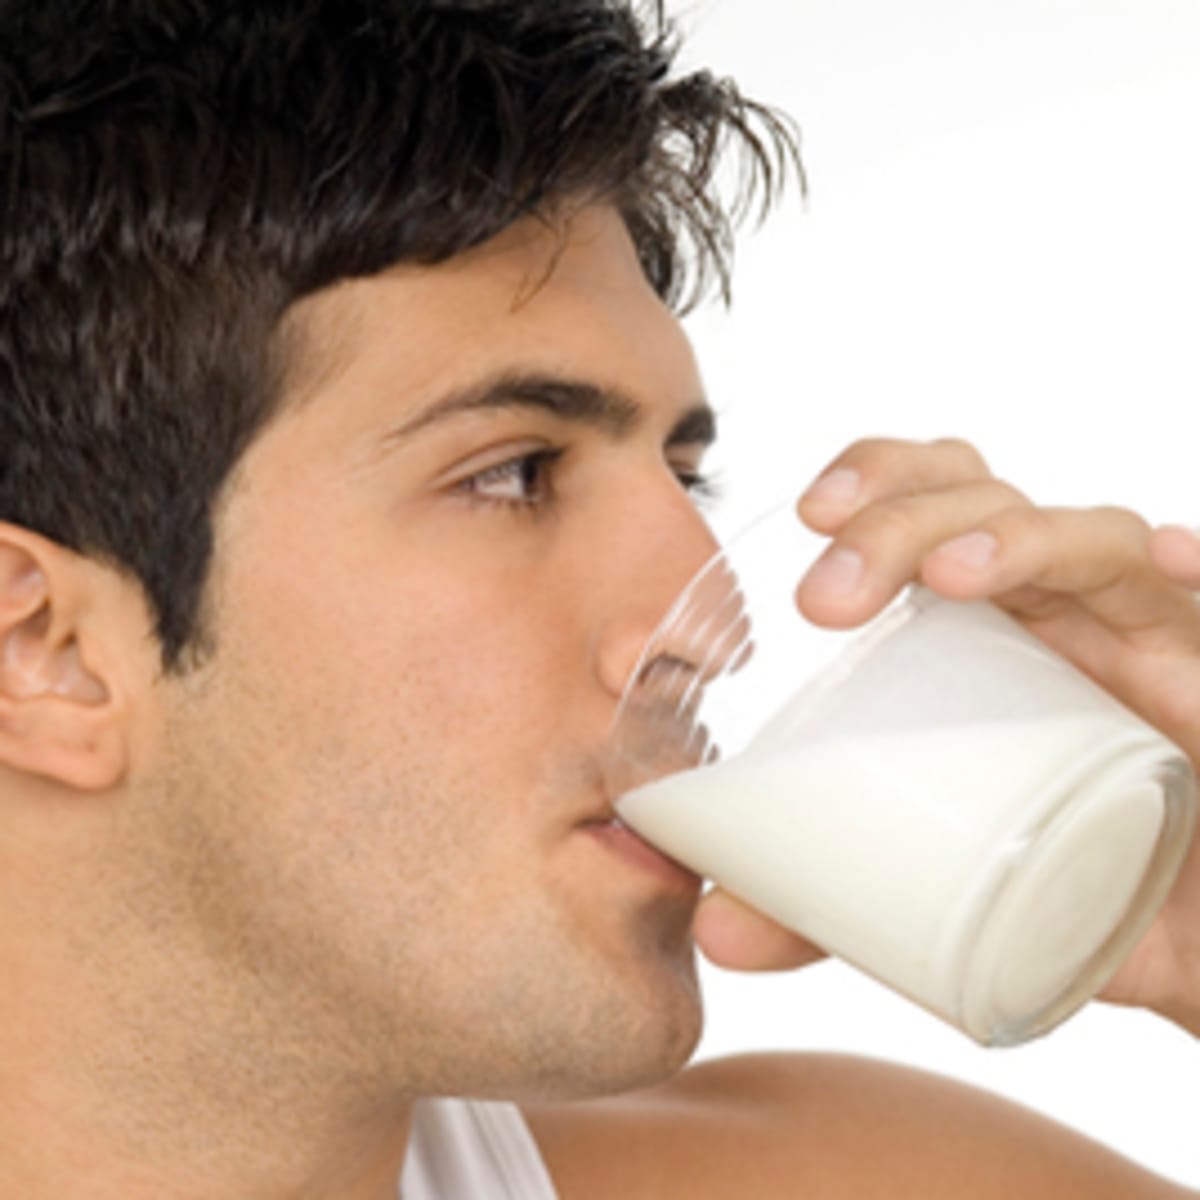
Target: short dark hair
[(174, 174)]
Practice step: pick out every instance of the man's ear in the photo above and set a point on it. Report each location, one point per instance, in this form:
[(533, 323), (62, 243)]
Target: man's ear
[(64, 709)]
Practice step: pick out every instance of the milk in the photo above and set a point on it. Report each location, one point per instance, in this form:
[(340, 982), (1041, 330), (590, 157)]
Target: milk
[(990, 851), (890, 851)]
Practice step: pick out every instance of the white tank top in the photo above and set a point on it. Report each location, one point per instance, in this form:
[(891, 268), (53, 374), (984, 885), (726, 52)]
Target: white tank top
[(472, 1150)]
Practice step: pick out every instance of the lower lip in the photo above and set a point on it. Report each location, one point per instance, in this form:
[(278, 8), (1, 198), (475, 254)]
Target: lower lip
[(622, 841)]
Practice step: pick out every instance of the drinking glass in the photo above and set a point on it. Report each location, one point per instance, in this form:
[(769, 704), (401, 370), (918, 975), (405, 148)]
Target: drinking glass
[(937, 798)]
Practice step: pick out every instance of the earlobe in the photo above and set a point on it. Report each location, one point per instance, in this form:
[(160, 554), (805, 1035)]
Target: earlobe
[(58, 718), (84, 757)]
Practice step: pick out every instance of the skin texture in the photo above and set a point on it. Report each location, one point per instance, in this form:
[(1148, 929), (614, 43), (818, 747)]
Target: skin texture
[(343, 866), (249, 916), (777, 1127)]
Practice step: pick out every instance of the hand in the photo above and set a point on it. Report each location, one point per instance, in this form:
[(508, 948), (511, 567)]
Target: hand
[(1100, 586)]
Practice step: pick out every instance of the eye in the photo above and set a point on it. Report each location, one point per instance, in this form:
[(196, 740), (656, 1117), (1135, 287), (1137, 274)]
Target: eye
[(519, 483), (706, 489), (524, 483)]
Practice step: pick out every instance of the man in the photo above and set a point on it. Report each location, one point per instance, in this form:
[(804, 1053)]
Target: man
[(347, 443)]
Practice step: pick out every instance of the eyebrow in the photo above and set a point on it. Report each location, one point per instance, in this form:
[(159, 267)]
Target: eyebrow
[(608, 410)]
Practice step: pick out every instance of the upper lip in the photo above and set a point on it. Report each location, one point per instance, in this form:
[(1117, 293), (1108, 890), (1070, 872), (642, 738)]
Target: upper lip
[(605, 809), (604, 817)]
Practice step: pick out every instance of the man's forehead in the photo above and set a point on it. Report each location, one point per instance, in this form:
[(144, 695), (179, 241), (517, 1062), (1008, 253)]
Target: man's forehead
[(568, 312), (322, 334)]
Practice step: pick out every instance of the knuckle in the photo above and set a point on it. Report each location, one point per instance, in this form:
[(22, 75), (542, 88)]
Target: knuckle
[(1113, 540), (1011, 502), (1032, 531), (1032, 521), (962, 452), (875, 452), (1131, 525)]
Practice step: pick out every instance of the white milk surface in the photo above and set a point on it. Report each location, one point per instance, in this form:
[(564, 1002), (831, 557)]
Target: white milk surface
[(900, 851), (947, 804)]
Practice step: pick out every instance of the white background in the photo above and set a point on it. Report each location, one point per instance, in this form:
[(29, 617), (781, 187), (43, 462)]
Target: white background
[(1001, 242)]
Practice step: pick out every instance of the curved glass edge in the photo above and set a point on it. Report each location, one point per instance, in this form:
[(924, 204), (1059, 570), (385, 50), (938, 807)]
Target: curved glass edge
[(1178, 784), (914, 600), (720, 558)]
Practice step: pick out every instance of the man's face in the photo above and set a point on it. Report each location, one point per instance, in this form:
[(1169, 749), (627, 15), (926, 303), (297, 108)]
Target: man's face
[(373, 804)]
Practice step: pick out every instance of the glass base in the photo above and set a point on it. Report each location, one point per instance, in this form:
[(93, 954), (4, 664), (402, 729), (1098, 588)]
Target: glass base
[(1075, 906)]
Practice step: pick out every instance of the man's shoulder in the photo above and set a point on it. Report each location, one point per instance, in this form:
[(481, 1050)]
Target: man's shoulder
[(828, 1126)]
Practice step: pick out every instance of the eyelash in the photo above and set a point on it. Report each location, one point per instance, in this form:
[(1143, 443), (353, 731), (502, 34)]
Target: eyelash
[(703, 487)]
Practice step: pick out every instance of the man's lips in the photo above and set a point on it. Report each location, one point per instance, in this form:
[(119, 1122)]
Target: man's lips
[(622, 841)]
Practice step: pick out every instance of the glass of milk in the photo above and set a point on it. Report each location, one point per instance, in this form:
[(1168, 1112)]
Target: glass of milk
[(937, 798)]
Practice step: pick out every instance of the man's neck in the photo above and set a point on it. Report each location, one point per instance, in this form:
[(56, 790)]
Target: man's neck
[(94, 1107), (132, 1068), (49, 1151)]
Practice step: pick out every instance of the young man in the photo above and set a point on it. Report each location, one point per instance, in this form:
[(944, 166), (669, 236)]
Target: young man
[(347, 443)]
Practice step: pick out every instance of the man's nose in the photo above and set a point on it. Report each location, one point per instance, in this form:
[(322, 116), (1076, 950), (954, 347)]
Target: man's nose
[(704, 613)]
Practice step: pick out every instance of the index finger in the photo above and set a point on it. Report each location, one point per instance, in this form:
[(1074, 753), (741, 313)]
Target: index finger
[(875, 469), (1097, 557)]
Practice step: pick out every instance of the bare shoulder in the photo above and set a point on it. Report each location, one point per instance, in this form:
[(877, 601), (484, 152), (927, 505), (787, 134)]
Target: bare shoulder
[(827, 1126)]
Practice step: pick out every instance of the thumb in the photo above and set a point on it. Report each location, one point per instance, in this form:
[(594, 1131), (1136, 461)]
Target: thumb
[(732, 934)]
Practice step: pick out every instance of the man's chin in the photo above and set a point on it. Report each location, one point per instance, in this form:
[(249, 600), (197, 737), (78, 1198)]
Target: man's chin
[(653, 1047), (617, 1048)]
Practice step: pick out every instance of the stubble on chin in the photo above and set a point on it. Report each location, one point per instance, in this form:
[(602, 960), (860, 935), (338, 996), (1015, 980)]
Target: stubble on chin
[(600, 1022)]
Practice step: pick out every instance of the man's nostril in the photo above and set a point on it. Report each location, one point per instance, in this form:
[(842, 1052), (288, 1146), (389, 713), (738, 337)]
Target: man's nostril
[(663, 670)]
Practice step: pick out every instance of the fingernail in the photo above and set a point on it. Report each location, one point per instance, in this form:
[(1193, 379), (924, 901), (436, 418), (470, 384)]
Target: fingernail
[(974, 550), (1191, 530), (836, 573), (839, 487)]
